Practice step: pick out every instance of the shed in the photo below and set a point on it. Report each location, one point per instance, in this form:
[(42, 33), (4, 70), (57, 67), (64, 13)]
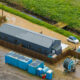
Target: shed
[(17, 60), (29, 39)]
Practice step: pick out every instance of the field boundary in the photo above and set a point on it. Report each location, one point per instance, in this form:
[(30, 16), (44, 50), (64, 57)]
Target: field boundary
[(36, 21)]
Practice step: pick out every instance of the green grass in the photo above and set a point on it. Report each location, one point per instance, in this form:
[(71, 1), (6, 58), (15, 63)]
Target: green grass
[(36, 21), (67, 11)]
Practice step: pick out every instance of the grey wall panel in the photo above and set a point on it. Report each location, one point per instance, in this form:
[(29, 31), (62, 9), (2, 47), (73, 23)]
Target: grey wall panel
[(25, 44)]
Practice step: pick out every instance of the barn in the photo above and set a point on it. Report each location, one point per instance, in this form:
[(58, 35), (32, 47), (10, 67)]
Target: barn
[(29, 39)]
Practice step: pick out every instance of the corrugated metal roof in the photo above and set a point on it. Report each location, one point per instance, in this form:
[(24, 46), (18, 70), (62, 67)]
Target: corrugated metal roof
[(27, 35), (18, 56)]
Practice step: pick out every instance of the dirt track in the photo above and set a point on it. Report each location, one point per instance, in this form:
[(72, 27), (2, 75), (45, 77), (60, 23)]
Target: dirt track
[(12, 19)]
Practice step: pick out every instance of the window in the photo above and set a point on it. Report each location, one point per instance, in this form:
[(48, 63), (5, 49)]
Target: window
[(6, 38), (23, 45), (70, 38), (39, 49), (0, 37), (53, 51), (29, 46), (15, 41), (45, 51)]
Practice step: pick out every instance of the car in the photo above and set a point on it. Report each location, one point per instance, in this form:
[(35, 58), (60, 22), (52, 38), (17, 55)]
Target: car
[(73, 39)]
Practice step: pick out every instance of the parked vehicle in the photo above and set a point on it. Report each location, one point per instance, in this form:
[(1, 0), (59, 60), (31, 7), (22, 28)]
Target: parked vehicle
[(73, 39)]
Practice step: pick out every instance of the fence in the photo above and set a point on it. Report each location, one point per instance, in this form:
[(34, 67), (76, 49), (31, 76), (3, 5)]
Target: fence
[(2, 19), (34, 54), (74, 54)]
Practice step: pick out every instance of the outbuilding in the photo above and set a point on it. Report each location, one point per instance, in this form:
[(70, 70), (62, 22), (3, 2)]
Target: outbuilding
[(31, 40)]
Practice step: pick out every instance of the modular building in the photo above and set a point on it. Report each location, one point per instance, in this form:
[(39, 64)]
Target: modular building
[(32, 68), (29, 39), (35, 67), (18, 60)]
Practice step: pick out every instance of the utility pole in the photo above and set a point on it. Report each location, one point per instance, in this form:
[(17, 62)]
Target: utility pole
[(41, 32), (2, 10)]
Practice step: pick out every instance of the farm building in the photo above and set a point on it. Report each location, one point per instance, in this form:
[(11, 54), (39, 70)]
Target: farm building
[(31, 40)]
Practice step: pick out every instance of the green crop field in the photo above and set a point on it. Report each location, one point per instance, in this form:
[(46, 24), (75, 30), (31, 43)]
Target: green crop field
[(67, 11)]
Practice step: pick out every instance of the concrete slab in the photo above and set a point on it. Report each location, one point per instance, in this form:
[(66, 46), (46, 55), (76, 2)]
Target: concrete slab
[(64, 46)]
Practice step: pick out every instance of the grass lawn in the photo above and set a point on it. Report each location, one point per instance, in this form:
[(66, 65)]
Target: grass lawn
[(67, 11)]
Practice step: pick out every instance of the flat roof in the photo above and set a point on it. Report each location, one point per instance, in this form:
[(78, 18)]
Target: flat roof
[(27, 35), (18, 56), (36, 63)]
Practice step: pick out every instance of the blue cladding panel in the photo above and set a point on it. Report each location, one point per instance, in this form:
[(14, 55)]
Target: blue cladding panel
[(22, 65), (24, 62), (8, 58), (39, 72), (32, 70), (17, 60), (49, 75)]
